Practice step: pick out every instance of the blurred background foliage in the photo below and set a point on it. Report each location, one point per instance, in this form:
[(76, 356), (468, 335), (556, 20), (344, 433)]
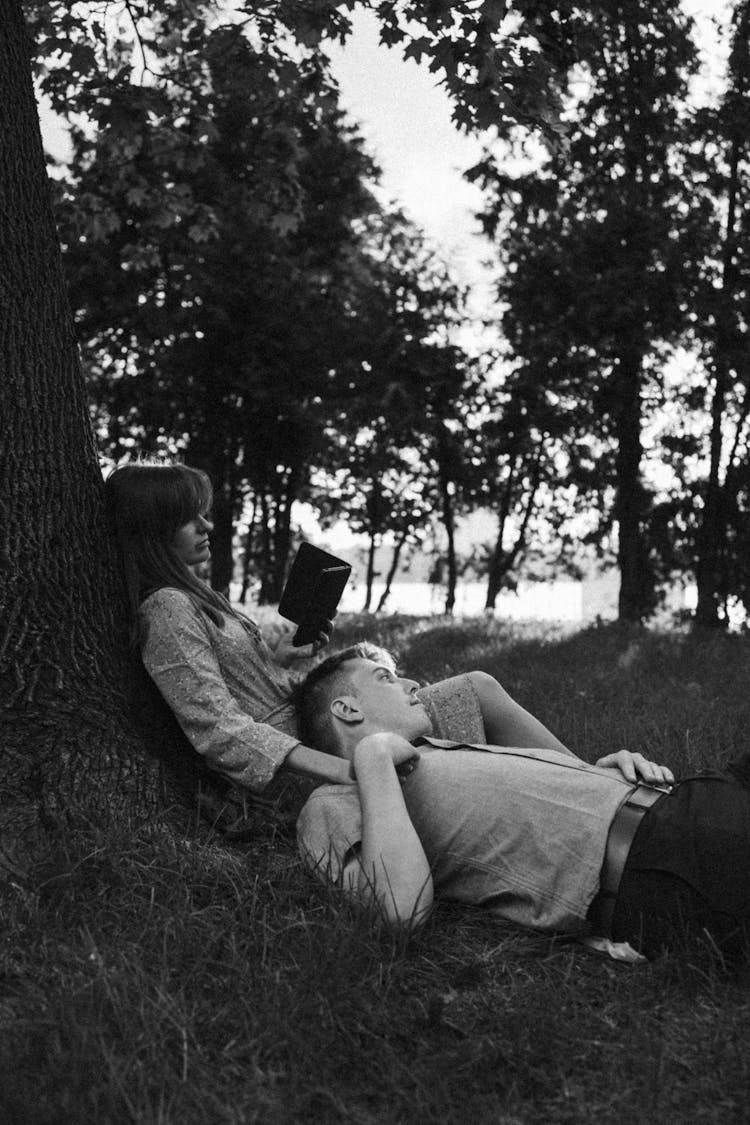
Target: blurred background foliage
[(244, 299)]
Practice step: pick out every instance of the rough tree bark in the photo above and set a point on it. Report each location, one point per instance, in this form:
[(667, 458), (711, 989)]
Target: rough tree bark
[(72, 743)]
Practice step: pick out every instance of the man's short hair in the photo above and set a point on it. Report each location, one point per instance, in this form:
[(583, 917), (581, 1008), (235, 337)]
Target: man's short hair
[(331, 678)]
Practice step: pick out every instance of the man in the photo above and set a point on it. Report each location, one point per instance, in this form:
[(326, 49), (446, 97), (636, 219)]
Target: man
[(536, 835)]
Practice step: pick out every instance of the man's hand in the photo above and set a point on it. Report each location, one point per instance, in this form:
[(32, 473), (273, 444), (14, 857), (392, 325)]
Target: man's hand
[(383, 746), (635, 768)]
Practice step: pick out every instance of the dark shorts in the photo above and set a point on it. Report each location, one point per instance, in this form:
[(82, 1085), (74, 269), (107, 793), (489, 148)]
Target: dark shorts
[(687, 875)]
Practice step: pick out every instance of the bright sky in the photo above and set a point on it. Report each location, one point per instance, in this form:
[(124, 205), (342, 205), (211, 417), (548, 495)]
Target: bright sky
[(405, 118)]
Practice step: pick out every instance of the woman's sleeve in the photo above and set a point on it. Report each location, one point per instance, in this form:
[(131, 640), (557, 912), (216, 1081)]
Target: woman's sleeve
[(180, 658)]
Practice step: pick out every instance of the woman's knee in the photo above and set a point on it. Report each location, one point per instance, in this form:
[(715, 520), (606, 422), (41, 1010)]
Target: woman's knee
[(488, 689)]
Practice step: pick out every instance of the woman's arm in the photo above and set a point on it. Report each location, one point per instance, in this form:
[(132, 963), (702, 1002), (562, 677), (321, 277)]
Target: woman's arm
[(180, 658), (323, 767), (507, 723)]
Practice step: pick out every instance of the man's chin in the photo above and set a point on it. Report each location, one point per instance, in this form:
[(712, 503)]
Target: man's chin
[(423, 722)]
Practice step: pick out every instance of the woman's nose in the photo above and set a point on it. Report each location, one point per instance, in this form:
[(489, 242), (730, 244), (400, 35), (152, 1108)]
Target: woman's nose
[(205, 523)]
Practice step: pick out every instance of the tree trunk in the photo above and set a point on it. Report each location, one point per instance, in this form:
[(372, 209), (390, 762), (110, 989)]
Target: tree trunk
[(392, 570), (449, 523), (497, 568), (498, 562), (283, 528), (503, 561), (636, 586), (265, 594), (72, 744), (247, 555), (712, 535), (222, 555), (276, 502), (711, 539), (370, 575)]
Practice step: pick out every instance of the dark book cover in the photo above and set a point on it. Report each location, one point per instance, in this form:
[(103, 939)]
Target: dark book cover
[(313, 590)]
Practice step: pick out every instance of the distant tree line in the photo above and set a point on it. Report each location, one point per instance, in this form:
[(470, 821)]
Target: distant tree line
[(241, 295)]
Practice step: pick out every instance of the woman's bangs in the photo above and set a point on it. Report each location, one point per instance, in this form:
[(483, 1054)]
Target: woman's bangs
[(196, 495)]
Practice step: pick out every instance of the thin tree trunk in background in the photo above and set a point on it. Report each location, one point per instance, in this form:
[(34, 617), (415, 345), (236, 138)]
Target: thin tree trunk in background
[(222, 556), (71, 739), (712, 536), (370, 573), (711, 539), (392, 570), (498, 569), (265, 549), (276, 535), (634, 600), (247, 555), (222, 470), (449, 523), (502, 562)]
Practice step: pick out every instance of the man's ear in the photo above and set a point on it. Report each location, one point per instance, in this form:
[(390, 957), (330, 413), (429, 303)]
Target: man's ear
[(345, 708)]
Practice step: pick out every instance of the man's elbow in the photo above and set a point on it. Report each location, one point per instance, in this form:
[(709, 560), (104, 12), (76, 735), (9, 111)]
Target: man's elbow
[(406, 921), (405, 909)]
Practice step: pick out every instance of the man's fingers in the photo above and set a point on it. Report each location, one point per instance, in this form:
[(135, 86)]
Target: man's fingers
[(634, 768), (653, 772)]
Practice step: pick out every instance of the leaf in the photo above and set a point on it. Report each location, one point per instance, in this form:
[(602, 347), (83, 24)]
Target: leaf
[(494, 11), (308, 35), (136, 196), (82, 59), (284, 223), (201, 232), (417, 47)]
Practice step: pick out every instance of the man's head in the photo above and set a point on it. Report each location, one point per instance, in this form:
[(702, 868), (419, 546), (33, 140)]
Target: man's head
[(357, 692)]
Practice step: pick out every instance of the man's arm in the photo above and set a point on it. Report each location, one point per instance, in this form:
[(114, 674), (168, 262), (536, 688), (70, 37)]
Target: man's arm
[(393, 869)]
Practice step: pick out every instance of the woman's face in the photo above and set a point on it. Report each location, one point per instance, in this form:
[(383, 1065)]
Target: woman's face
[(191, 541)]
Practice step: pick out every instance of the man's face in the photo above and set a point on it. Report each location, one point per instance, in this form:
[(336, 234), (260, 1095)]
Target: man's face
[(387, 701)]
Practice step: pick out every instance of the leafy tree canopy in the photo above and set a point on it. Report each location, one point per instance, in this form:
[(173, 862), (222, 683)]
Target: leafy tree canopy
[(500, 62)]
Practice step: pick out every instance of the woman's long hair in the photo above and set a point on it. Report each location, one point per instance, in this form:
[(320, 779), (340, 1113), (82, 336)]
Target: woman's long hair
[(148, 502)]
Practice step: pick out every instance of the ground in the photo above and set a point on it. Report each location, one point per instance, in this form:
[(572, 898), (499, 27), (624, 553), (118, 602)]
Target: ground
[(176, 980)]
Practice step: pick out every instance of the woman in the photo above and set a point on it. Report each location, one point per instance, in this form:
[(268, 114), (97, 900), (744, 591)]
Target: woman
[(229, 691)]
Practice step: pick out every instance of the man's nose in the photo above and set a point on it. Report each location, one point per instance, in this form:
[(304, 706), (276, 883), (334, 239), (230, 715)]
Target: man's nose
[(409, 685)]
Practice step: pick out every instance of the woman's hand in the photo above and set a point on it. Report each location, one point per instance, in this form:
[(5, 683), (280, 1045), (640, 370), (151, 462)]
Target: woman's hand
[(635, 768), (287, 654)]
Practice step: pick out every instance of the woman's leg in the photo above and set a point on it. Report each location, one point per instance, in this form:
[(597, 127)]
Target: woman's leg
[(506, 723)]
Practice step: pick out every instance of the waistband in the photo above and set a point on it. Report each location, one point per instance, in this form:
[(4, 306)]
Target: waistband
[(619, 839)]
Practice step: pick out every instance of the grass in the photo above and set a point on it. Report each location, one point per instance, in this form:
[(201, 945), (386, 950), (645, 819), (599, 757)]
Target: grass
[(183, 982)]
